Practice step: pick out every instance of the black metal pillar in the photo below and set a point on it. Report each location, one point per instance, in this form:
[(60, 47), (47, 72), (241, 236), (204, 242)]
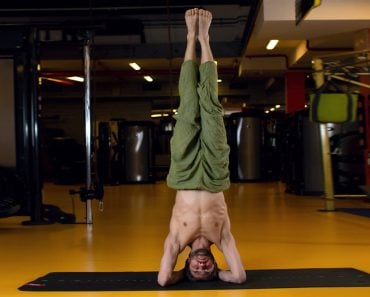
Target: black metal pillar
[(32, 133)]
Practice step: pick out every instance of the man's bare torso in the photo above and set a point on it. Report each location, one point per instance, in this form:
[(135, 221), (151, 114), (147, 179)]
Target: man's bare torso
[(198, 214)]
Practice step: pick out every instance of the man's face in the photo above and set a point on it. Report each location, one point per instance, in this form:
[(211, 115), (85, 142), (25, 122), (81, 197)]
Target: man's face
[(201, 264)]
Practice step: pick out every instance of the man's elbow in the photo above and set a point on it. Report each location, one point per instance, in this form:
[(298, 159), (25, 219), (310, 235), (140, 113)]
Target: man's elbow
[(241, 278), (163, 280), (162, 283)]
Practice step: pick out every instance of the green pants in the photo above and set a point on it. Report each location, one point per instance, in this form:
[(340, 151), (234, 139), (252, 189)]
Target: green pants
[(199, 149)]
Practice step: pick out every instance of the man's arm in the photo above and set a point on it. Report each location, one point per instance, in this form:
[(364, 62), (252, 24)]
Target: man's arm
[(166, 275), (236, 274)]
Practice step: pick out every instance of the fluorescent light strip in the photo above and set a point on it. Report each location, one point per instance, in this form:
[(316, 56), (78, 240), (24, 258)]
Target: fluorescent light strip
[(272, 44), (56, 80), (135, 66), (76, 78)]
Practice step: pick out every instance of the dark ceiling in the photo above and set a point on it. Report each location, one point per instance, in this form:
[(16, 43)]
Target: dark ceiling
[(151, 33), (123, 29)]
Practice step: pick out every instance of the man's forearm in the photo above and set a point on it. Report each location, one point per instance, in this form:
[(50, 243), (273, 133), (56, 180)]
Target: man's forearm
[(171, 279), (227, 276), (166, 275)]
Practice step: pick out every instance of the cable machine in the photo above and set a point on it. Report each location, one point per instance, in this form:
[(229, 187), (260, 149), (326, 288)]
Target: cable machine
[(347, 67)]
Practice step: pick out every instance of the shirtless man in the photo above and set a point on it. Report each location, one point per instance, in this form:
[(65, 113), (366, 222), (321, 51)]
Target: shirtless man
[(199, 169)]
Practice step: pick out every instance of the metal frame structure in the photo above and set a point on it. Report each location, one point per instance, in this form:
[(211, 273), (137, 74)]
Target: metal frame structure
[(319, 77), (86, 53)]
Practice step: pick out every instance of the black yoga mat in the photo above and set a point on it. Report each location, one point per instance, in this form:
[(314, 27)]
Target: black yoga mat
[(146, 281), (364, 212)]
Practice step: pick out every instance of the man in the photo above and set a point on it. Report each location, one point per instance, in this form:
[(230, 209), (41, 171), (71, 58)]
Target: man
[(199, 169)]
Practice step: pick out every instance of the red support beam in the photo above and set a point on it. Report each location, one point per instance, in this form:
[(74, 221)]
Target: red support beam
[(295, 97)]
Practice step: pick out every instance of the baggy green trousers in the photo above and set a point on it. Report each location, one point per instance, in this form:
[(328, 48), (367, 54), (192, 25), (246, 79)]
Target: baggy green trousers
[(199, 149)]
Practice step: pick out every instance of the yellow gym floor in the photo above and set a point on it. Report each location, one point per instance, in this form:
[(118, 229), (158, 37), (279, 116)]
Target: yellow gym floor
[(272, 229)]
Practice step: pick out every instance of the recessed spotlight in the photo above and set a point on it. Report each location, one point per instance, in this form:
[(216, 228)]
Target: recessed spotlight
[(272, 44), (135, 66), (148, 78)]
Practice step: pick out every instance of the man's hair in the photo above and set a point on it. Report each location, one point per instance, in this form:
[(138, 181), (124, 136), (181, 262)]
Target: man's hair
[(190, 277)]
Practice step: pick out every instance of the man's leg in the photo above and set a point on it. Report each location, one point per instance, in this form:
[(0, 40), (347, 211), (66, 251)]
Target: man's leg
[(185, 145), (215, 161)]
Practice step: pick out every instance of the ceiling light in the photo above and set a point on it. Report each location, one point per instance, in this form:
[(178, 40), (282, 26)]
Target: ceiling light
[(76, 78), (277, 106), (272, 44), (135, 66), (148, 78), (219, 80)]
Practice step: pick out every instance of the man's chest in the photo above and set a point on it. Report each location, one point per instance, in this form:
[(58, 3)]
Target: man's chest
[(189, 229)]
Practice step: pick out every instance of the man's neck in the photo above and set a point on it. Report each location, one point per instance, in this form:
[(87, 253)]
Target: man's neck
[(201, 243)]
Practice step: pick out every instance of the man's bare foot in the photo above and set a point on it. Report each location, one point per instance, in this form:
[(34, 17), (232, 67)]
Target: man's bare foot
[(191, 19), (205, 19)]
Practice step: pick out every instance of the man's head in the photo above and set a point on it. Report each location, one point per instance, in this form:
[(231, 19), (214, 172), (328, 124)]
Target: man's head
[(201, 265)]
